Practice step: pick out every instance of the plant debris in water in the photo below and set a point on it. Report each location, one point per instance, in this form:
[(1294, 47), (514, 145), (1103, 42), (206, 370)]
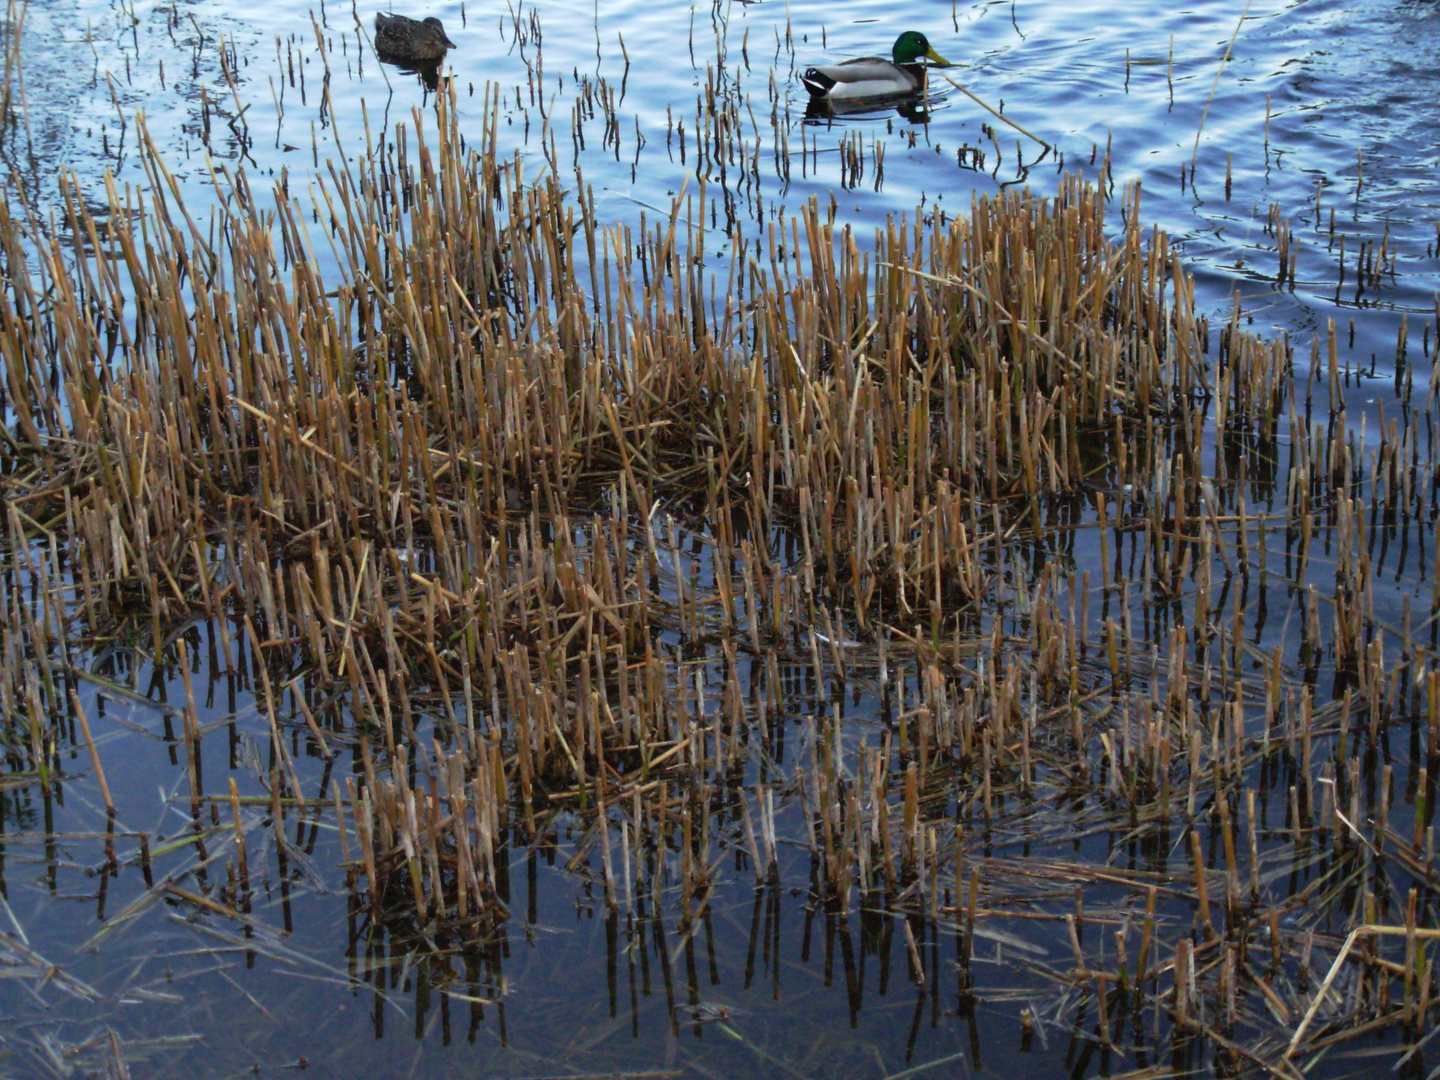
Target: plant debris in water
[(964, 583)]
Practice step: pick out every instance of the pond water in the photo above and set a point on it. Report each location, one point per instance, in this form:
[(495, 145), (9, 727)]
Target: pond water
[(1323, 111), (1318, 129)]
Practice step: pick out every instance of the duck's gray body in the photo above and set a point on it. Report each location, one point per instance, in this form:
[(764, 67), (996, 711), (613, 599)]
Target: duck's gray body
[(865, 77)]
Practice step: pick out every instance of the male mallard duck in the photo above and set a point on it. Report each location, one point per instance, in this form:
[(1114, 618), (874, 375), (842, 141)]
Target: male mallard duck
[(408, 39), (874, 77)]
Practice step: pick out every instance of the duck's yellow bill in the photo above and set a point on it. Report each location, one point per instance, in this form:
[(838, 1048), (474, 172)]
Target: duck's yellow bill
[(938, 60)]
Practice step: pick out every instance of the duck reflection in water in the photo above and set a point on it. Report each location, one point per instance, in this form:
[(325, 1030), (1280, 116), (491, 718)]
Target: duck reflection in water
[(914, 108), (427, 71)]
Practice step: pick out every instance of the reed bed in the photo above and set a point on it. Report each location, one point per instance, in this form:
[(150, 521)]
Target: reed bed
[(897, 565)]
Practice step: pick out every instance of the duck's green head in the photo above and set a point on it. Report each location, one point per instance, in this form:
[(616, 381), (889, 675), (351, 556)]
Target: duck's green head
[(912, 46)]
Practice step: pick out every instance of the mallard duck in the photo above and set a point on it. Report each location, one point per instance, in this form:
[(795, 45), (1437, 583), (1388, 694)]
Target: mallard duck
[(874, 77), (410, 39)]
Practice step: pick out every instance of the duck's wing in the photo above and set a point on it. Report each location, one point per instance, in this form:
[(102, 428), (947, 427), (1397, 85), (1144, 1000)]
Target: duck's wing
[(866, 76)]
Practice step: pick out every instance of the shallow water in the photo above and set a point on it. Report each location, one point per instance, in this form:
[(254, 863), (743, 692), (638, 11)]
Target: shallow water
[(1324, 105), (1332, 97)]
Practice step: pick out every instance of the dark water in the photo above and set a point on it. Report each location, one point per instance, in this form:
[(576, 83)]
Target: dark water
[(1324, 110)]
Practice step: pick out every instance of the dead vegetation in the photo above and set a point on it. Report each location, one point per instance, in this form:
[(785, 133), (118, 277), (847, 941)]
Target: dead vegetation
[(907, 552)]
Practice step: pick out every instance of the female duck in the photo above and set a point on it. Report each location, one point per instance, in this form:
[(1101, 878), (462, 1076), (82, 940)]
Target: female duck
[(408, 39), (874, 77)]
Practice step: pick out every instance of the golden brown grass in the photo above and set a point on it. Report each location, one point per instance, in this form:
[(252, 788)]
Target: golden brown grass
[(441, 500)]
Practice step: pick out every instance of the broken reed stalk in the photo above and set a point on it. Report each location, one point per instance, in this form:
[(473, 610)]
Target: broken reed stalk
[(1225, 59), (1428, 934), (94, 754), (997, 114)]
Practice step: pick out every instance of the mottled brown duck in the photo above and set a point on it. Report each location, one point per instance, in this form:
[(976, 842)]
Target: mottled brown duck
[(401, 38)]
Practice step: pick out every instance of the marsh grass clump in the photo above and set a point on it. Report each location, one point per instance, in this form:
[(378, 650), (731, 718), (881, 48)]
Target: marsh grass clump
[(490, 349), (557, 528)]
